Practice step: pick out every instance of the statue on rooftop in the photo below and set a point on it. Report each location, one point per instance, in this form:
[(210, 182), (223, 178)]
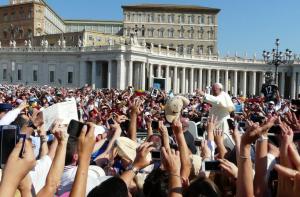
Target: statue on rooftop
[(14, 43), (46, 44), (59, 42), (79, 43), (29, 44), (64, 43)]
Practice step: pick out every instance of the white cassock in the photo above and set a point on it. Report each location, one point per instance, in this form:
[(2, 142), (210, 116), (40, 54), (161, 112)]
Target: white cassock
[(221, 107)]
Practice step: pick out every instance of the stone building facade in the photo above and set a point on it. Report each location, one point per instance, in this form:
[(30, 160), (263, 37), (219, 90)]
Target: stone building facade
[(180, 27)]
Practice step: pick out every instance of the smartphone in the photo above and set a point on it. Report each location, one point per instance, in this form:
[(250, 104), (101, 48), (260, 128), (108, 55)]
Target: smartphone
[(154, 93), (74, 128), (273, 139), (198, 143), (111, 121), (213, 166), (242, 124), (231, 124), (155, 125), (296, 137), (8, 139), (275, 129), (156, 155)]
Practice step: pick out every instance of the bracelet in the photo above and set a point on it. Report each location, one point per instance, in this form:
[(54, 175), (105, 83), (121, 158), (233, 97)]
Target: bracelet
[(175, 175), (262, 138), (43, 139), (177, 190), (244, 157)]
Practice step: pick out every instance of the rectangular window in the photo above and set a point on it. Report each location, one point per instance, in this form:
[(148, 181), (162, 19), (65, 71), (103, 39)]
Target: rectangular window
[(35, 75), (70, 77), (201, 19), (19, 74), (4, 74), (51, 76)]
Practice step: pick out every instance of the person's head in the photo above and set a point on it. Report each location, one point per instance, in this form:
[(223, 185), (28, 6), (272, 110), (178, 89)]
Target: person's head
[(203, 187), (156, 184), (217, 89), (71, 153), (271, 105), (185, 122), (113, 187)]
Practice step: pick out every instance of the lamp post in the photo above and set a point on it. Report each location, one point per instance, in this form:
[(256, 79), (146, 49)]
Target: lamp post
[(278, 58)]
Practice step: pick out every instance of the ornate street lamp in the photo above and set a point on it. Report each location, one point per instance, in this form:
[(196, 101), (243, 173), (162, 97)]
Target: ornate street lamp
[(278, 58)]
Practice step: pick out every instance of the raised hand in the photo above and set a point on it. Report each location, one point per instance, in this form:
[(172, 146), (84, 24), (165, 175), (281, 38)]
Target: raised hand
[(229, 167), (177, 127), (17, 168), (171, 161), (141, 161), (289, 178), (86, 141)]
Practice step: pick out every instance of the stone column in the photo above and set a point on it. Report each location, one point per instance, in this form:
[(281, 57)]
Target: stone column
[(183, 81), (235, 83), (218, 76), (282, 84), (94, 70), (253, 91), (191, 83), (130, 73), (175, 81), (226, 80), (121, 73), (298, 85), (208, 77), (109, 74), (159, 71), (200, 78), (168, 85), (293, 84), (245, 83), (82, 73), (150, 76), (143, 73)]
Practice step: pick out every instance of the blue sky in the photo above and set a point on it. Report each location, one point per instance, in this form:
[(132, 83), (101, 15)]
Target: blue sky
[(244, 25)]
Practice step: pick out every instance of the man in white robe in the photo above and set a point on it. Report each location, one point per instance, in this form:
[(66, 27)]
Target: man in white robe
[(222, 106)]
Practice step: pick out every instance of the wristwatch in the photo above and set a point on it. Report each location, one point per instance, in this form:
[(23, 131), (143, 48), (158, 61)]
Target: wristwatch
[(133, 169)]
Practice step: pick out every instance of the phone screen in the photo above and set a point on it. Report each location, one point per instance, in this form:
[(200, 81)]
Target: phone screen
[(154, 125), (198, 142), (156, 155), (8, 140), (231, 124), (74, 128), (212, 166)]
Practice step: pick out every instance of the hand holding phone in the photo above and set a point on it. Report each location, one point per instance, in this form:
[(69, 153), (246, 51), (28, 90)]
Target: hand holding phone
[(74, 128), (231, 124), (213, 166), (156, 155)]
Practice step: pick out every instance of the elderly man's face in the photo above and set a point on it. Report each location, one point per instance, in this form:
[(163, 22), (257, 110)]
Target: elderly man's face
[(216, 90)]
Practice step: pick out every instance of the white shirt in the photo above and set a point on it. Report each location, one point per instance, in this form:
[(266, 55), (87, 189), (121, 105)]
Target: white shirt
[(96, 176), (9, 117), (39, 173)]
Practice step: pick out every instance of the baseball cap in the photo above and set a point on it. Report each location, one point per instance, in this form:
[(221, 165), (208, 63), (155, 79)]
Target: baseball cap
[(174, 106)]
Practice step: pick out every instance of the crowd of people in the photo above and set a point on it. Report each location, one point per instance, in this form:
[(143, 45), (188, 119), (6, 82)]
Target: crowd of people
[(145, 147)]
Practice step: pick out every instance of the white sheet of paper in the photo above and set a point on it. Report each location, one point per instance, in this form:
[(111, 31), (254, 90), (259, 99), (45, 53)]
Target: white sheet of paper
[(66, 111)]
